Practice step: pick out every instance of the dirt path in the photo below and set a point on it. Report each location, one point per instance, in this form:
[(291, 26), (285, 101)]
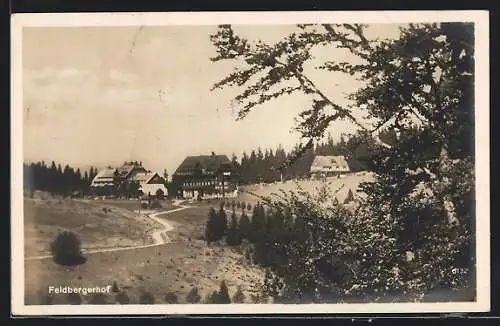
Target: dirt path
[(159, 237)]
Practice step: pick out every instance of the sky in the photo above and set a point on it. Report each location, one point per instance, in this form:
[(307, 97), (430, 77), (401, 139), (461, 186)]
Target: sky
[(104, 95)]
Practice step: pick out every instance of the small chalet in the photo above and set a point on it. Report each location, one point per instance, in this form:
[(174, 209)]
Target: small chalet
[(325, 166), (151, 184), (205, 176)]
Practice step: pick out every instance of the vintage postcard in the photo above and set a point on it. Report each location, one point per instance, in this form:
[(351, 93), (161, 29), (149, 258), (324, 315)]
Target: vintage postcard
[(259, 162)]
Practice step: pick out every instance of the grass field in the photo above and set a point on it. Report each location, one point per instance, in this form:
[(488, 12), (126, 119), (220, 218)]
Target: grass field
[(99, 224), (175, 267), (338, 186)]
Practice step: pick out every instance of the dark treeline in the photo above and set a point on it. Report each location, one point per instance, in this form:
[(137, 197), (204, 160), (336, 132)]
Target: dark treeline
[(56, 179), (264, 165)]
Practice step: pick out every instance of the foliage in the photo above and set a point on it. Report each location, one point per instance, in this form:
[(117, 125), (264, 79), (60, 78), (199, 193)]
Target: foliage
[(216, 226), (238, 296), (349, 198), (147, 298), (97, 298), (171, 298), (234, 236), (413, 234), (244, 226), (122, 298), (221, 296), (193, 296), (66, 249), (74, 299), (56, 179)]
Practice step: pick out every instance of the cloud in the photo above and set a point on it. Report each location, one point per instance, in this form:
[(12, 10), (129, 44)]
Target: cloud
[(121, 76), (50, 73)]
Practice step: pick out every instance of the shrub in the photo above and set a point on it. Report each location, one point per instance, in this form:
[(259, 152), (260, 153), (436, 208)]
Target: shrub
[(349, 198), (122, 298), (221, 296), (155, 204), (97, 298), (239, 297), (147, 298), (115, 288), (233, 237), (66, 249), (171, 298), (74, 299), (193, 296)]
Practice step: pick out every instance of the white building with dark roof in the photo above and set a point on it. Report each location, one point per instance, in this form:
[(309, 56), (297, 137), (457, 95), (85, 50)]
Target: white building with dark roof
[(324, 166)]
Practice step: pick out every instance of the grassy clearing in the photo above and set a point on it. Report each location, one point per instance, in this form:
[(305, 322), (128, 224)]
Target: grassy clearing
[(175, 267), (98, 224), (346, 182)]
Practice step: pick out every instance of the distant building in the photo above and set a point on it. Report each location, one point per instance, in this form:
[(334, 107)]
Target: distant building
[(129, 180), (151, 184), (104, 183), (128, 171), (205, 176), (325, 166)]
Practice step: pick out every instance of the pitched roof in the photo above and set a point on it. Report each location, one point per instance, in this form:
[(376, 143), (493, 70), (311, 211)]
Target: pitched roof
[(329, 163), (143, 176), (125, 169), (207, 163), (106, 175)]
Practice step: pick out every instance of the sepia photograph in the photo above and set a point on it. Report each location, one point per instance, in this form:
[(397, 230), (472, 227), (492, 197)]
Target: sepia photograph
[(201, 163)]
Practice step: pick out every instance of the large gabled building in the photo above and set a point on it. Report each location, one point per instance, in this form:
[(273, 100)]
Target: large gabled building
[(325, 166), (104, 183), (205, 176)]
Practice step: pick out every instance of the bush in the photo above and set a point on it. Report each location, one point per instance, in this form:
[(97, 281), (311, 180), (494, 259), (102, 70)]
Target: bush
[(115, 288), (171, 298), (239, 297), (193, 296), (74, 299), (221, 296), (66, 249), (349, 198), (155, 204), (122, 298), (97, 298), (147, 298)]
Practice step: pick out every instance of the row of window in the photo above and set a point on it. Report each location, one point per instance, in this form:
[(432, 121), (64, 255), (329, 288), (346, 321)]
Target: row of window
[(202, 183)]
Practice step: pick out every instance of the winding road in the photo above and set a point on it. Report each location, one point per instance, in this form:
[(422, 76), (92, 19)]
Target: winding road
[(160, 237)]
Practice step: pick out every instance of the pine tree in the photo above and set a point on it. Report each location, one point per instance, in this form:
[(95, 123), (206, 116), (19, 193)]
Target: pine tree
[(223, 294), (244, 226), (234, 237), (349, 198), (193, 296), (222, 222), (211, 226), (238, 297)]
